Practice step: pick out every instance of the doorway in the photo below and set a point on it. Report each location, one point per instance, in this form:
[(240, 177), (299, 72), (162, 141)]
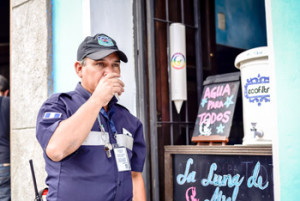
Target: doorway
[(4, 38)]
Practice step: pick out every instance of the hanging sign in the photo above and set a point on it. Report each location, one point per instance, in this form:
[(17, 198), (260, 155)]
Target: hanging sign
[(178, 65)]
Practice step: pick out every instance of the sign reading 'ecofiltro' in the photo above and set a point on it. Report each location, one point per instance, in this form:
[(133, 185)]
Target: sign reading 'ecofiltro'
[(257, 89)]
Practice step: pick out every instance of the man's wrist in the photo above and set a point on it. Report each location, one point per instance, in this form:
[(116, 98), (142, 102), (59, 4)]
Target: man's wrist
[(97, 101)]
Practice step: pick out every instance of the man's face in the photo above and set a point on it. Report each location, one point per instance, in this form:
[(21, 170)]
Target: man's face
[(93, 71)]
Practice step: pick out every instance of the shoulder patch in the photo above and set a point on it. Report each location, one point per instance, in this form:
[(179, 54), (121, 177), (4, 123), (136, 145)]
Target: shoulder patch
[(52, 115)]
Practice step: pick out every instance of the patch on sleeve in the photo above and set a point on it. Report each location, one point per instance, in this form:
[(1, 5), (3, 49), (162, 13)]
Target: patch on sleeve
[(52, 115)]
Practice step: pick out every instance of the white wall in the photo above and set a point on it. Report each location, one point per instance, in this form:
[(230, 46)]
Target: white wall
[(115, 18), (88, 17), (67, 35)]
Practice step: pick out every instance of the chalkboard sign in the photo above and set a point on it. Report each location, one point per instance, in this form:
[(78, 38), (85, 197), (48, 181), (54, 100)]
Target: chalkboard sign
[(229, 174), (217, 105)]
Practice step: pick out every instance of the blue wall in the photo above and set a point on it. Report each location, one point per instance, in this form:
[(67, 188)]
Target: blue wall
[(245, 23), (67, 35), (286, 41)]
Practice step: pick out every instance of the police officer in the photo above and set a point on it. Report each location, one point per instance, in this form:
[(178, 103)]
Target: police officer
[(94, 148)]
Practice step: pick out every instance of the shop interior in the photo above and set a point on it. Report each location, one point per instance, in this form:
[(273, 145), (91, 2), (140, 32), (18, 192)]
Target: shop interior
[(216, 32)]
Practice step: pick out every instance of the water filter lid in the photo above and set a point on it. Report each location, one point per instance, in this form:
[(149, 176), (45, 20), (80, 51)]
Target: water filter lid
[(251, 54)]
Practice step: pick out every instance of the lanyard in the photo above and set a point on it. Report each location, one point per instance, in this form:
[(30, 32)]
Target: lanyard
[(110, 121), (100, 124)]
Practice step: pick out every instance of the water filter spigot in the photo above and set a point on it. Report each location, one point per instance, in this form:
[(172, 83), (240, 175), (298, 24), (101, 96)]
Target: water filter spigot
[(255, 131)]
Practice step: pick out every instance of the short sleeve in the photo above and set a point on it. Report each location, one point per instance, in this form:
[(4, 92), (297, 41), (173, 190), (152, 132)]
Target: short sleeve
[(52, 112), (139, 150)]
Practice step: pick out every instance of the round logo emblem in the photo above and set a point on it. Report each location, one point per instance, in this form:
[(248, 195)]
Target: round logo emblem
[(178, 61), (105, 41)]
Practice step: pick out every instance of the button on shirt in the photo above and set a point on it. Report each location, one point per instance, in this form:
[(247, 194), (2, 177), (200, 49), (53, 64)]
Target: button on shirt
[(88, 174)]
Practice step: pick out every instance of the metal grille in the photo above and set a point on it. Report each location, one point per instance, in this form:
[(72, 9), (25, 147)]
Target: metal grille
[(176, 122), (186, 123)]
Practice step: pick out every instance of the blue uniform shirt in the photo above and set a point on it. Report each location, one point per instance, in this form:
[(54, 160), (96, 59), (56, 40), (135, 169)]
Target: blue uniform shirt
[(88, 174), (4, 129)]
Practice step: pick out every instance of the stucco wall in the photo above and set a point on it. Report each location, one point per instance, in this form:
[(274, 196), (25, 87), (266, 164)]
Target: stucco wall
[(30, 64)]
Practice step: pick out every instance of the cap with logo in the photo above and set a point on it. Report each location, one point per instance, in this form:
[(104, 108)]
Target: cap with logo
[(97, 47)]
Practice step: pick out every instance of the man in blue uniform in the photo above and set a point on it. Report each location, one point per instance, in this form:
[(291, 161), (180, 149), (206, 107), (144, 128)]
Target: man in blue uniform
[(4, 140), (94, 149)]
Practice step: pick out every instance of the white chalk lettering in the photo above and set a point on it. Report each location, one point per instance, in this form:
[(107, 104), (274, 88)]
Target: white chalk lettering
[(187, 177), (256, 180), (222, 180)]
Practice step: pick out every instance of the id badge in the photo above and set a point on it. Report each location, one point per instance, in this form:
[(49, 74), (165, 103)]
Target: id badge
[(122, 159)]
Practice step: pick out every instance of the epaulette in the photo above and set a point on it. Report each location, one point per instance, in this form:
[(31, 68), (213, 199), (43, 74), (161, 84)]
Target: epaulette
[(57, 96), (69, 94), (122, 106)]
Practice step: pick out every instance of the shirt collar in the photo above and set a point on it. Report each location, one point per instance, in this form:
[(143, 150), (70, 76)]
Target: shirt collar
[(82, 91)]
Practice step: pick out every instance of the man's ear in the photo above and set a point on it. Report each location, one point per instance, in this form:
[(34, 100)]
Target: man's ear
[(78, 68), (6, 92)]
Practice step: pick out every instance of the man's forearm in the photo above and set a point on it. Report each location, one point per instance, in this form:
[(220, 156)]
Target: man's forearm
[(139, 193), (71, 133)]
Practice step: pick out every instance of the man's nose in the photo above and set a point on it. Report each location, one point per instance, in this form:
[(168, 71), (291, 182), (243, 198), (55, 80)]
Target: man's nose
[(108, 70)]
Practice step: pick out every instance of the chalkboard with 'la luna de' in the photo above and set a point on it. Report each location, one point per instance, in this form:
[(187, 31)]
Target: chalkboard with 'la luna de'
[(222, 178), (217, 105)]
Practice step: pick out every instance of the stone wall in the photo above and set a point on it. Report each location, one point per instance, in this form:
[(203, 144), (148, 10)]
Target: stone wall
[(31, 44)]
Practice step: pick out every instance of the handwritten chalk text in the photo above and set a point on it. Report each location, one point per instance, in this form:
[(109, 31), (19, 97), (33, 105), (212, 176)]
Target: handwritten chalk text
[(214, 105), (220, 181), (187, 177), (215, 117), (256, 180), (191, 197), (217, 91)]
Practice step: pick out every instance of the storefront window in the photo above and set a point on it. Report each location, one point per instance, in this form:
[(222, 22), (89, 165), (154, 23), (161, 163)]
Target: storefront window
[(204, 22)]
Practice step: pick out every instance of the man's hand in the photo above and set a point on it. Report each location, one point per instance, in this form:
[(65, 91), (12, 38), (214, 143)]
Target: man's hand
[(108, 87)]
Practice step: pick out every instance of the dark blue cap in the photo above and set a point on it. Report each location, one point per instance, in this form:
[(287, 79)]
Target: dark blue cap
[(98, 47)]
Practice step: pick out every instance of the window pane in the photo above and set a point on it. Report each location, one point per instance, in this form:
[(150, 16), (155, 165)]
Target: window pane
[(162, 85), (160, 9), (189, 12), (174, 10), (191, 73)]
